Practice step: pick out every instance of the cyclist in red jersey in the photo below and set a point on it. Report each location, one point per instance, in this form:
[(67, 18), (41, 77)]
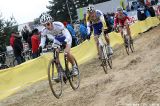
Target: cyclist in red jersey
[(122, 19)]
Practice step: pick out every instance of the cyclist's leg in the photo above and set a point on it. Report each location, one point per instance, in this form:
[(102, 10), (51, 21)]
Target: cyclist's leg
[(106, 36), (97, 44), (128, 29), (121, 31), (97, 31), (71, 59)]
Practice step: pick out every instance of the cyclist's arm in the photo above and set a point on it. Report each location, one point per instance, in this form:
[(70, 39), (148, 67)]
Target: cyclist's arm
[(103, 22), (88, 24), (115, 21), (43, 38)]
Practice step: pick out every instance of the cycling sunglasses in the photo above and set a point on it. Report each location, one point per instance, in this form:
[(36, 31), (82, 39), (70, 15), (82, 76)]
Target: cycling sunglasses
[(48, 24)]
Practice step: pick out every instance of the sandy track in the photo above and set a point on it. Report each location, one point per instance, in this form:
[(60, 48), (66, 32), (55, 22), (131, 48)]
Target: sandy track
[(134, 79)]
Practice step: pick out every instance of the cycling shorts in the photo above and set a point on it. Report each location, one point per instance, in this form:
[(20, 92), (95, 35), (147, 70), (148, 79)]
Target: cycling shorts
[(97, 28)]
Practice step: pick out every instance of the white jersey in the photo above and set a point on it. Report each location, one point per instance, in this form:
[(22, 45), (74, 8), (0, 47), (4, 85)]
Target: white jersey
[(58, 30)]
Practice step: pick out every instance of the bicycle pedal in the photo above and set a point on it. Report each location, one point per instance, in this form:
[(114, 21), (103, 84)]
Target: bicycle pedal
[(65, 79)]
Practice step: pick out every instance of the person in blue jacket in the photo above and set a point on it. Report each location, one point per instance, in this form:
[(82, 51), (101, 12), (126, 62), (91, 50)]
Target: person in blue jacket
[(83, 30), (73, 33)]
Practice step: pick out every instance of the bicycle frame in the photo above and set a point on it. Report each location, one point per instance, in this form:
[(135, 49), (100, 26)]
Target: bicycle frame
[(102, 44), (56, 51), (125, 34)]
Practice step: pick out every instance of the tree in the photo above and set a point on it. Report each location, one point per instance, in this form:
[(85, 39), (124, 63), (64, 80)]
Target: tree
[(1, 24), (6, 27), (59, 11), (37, 21)]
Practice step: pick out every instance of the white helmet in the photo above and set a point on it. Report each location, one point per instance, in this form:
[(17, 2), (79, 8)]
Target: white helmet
[(90, 8), (45, 17)]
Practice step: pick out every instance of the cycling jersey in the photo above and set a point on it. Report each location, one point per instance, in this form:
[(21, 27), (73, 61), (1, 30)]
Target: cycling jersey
[(59, 32), (97, 22), (120, 19)]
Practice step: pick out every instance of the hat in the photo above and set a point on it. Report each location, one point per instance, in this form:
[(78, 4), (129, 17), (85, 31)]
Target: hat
[(17, 34)]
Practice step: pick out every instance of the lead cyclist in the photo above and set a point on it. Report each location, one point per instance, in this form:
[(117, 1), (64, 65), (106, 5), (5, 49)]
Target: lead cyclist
[(95, 19), (57, 32)]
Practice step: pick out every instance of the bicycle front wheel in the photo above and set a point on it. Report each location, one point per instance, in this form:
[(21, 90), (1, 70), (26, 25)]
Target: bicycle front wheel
[(55, 79), (126, 43), (74, 80), (109, 60), (103, 58)]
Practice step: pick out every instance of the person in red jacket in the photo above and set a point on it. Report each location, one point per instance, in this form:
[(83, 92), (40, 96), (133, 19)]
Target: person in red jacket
[(35, 41), (11, 40)]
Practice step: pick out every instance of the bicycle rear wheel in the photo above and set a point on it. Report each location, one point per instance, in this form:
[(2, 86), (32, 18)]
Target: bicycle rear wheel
[(74, 80), (103, 59), (55, 78), (131, 47)]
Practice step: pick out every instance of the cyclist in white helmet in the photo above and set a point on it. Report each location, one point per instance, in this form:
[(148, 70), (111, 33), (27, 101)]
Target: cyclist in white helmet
[(57, 32), (95, 19)]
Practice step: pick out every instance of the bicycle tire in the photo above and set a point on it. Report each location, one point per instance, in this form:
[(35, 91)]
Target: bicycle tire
[(109, 60), (72, 78), (51, 72), (132, 47), (126, 44), (103, 60), (4, 66)]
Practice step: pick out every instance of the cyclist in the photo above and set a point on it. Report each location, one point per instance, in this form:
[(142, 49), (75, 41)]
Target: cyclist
[(122, 19), (95, 19), (56, 32)]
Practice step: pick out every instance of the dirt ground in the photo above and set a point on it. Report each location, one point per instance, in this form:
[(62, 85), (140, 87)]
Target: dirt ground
[(133, 81)]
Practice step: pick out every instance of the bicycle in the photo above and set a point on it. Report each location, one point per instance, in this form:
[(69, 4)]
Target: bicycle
[(55, 70), (26, 55), (3, 59), (127, 41), (105, 57)]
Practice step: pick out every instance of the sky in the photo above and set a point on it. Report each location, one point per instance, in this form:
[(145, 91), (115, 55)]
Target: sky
[(23, 10)]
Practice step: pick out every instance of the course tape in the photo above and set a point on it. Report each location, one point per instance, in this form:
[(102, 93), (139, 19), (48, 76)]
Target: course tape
[(21, 76)]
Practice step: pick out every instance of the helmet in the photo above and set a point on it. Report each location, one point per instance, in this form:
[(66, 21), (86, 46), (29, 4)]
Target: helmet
[(90, 8), (45, 17), (119, 9)]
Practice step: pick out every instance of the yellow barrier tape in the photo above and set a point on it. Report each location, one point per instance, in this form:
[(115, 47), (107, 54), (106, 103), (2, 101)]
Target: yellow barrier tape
[(14, 79)]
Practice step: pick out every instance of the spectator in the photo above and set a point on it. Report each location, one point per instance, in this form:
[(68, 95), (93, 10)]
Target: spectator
[(25, 33), (18, 48), (29, 40), (35, 41), (12, 39), (3, 43), (83, 31), (73, 34)]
